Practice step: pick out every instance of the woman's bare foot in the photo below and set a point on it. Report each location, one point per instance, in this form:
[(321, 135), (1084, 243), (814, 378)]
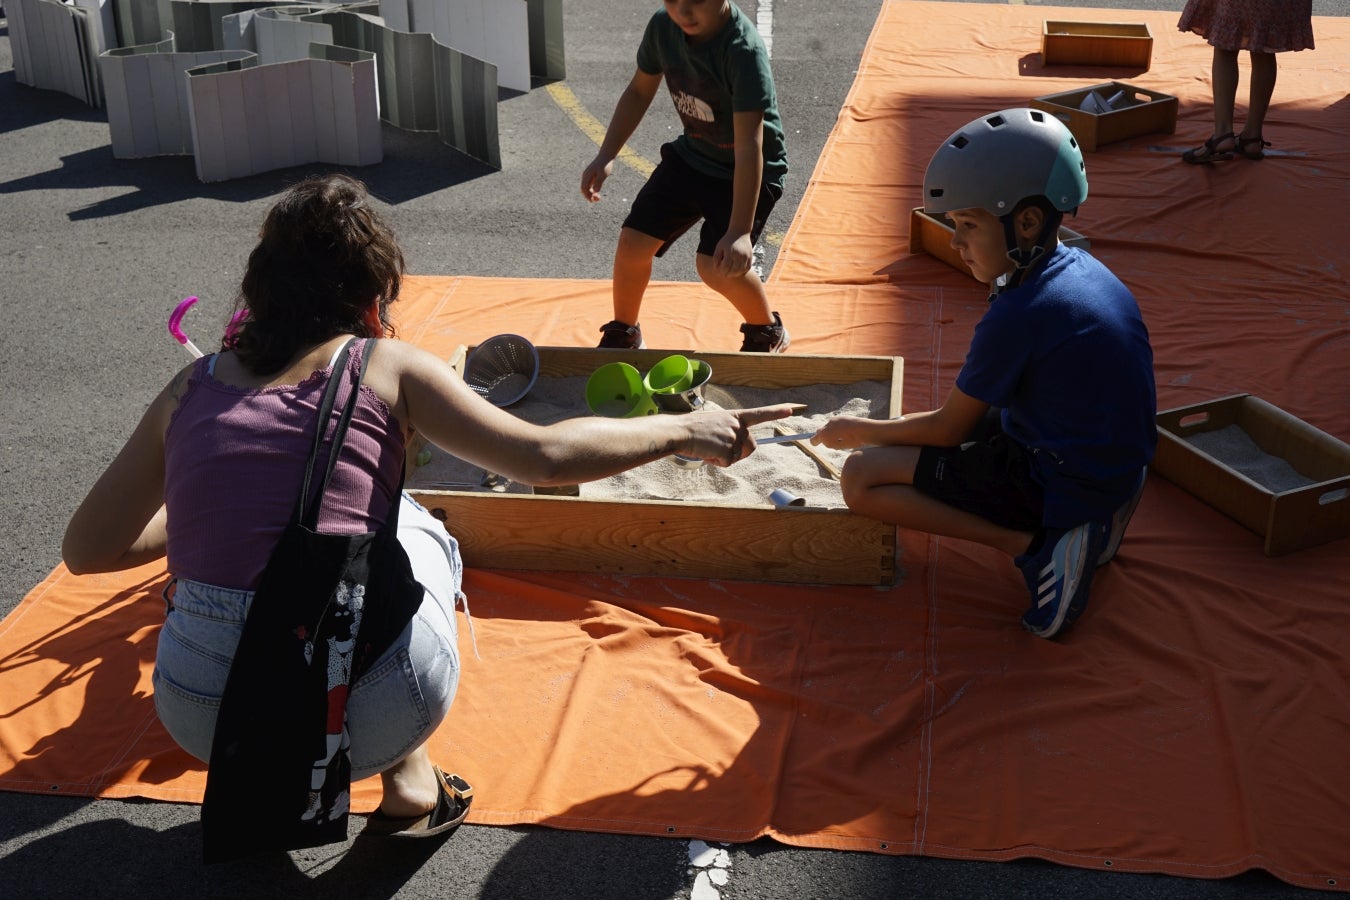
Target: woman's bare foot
[(410, 787)]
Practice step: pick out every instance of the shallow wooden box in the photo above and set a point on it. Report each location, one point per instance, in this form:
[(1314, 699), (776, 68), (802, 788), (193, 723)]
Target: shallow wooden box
[(804, 545), (1096, 44), (1288, 520), (932, 234), (1147, 112)]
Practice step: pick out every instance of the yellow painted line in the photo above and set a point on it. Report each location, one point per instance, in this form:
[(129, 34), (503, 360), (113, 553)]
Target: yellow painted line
[(592, 127)]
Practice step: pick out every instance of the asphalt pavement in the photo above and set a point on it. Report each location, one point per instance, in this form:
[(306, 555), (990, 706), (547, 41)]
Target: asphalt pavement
[(94, 253)]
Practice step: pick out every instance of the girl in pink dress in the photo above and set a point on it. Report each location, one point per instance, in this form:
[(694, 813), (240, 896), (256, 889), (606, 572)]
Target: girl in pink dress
[(1263, 28)]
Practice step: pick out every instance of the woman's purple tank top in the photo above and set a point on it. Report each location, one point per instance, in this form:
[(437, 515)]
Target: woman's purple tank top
[(234, 460)]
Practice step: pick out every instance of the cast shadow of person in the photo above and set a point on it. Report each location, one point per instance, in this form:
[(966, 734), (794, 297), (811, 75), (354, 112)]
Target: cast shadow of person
[(114, 856), (96, 659)]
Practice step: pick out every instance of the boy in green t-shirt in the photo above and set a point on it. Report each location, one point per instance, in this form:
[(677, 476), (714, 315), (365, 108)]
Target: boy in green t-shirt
[(726, 168)]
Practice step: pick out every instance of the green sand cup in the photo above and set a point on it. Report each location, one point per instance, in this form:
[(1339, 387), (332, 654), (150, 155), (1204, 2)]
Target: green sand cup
[(670, 376), (616, 391)]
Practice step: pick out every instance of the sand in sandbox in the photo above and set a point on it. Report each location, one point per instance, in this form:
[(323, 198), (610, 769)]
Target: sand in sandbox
[(747, 483)]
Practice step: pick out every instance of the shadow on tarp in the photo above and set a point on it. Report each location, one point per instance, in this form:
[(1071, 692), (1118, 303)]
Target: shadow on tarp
[(942, 115), (105, 663), (1031, 66), (1138, 218)]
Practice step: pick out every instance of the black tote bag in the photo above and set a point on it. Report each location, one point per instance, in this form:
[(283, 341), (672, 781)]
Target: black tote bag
[(327, 606)]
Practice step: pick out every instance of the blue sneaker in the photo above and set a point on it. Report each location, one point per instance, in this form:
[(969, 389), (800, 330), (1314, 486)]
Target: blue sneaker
[(1120, 520), (1058, 574)]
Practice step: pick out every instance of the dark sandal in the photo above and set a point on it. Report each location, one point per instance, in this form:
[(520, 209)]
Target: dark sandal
[(1210, 152), (452, 806), (1255, 152)]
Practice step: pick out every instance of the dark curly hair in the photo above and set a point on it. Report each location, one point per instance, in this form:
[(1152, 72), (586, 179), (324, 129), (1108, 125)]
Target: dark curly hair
[(323, 256)]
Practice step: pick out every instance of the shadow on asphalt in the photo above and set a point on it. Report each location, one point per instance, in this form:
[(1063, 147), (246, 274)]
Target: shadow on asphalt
[(415, 164)]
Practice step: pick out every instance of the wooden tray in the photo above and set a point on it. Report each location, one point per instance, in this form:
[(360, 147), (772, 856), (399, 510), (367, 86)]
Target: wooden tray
[(1287, 520), (1096, 44)]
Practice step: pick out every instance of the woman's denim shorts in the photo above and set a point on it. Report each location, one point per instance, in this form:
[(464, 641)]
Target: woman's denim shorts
[(392, 710)]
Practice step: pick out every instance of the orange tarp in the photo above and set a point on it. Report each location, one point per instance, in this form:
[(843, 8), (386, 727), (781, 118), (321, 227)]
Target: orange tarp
[(1194, 722)]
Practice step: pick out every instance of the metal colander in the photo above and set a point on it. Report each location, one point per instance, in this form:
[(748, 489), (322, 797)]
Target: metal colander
[(502, 369)]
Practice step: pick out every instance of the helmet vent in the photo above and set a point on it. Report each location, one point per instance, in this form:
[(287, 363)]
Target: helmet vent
[(1037, 116), (936, 192), (960, 142), (996, 121)]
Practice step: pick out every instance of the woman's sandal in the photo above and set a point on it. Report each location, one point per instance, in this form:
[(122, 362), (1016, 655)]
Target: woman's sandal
[(1210, 152), (452, 806), (1252, 147)]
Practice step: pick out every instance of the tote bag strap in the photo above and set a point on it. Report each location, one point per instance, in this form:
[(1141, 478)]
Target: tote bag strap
[(309, 517)]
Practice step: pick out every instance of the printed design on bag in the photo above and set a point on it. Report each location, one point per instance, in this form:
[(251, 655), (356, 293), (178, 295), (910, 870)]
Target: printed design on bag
[(347, 607)]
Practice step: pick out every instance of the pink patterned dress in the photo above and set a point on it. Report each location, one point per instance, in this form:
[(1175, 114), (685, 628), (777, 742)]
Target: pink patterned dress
[(1265, 26)]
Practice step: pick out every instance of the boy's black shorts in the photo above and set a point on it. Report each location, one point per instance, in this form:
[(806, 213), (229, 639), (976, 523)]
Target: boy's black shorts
[(989, 477), (677, 195)]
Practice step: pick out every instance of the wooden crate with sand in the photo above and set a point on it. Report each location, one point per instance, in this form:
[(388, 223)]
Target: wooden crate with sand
[(707, 522), (1279, 476)]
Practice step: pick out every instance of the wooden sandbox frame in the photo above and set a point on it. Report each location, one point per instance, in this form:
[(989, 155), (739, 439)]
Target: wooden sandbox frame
[(673, 538)]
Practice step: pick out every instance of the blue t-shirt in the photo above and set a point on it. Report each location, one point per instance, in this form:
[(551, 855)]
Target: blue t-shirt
[(1066, 356), (709, 82)]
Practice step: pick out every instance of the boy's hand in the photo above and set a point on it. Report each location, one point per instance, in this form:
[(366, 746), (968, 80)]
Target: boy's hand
[(733, 255), (594, 177), (843, 432)]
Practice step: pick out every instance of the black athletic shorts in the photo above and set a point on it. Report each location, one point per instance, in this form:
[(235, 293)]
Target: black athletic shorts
[(990, 477), (677, 195)]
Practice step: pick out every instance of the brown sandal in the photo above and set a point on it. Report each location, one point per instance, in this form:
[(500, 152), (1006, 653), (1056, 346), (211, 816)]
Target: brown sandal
[(1210, 152), (1252, 147), (452, 807)]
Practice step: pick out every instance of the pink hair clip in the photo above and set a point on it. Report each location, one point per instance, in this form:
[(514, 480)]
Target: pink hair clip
[(175, 326), (235, 323)]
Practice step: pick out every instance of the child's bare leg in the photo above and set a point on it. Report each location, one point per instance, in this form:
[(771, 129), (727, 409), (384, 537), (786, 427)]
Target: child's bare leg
[(878, 483), (1224, 74), (632, 272), (1264, 72), (410, 786), (745, 291)]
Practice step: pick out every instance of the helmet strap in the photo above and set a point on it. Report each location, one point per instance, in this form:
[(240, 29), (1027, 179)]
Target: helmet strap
[(1024, 261)]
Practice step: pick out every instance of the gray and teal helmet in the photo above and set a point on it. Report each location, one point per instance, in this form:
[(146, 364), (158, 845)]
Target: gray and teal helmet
[(1001, 159)]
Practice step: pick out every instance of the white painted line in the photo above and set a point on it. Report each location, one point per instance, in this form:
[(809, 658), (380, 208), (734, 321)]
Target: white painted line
[(714, 865), (764, 23)]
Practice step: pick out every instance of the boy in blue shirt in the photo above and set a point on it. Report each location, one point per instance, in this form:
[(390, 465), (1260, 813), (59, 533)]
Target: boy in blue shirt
[(726, 168), (1041, 447)]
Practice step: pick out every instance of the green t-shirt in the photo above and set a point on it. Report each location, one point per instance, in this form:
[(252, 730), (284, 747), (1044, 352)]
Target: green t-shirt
[(709, 82)]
